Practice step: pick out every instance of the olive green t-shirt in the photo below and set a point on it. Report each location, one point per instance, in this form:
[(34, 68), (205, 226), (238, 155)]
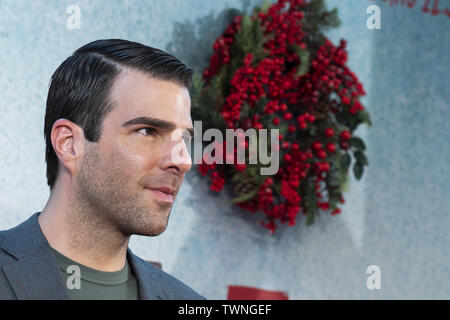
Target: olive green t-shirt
[(84, 283)]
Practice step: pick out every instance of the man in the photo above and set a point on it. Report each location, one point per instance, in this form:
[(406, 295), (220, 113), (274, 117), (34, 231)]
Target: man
[(115, 112)]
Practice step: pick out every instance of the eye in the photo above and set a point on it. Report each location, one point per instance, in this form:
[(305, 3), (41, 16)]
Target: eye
[(150, 131)]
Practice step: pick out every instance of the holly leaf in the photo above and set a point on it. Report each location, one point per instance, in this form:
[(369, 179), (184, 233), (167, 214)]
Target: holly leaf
[(340, 117), (365, 117), (345, 161), (358, 170), (357, 143), (361, 158)]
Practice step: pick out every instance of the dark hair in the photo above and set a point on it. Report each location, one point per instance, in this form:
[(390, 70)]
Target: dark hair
[(79, 88)]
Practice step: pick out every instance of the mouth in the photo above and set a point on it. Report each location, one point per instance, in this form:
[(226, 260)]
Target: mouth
[(162, 194)]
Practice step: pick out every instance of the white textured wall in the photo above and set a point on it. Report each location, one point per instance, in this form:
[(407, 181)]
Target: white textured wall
[(396, 217)]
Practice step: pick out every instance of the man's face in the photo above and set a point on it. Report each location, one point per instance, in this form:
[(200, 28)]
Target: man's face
[(119, 175)]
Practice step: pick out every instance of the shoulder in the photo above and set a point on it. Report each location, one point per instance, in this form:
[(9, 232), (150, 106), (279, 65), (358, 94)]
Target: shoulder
[(5, 257), (169, 287), (6, 292)]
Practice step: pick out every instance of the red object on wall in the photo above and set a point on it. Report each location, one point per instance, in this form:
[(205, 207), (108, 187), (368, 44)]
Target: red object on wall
[(249, 293)]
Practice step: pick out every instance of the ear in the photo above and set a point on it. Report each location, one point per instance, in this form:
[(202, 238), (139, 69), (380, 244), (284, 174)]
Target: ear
[(68, 142)]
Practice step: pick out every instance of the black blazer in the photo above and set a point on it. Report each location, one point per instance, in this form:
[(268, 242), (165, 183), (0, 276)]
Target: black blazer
[(29, 269)]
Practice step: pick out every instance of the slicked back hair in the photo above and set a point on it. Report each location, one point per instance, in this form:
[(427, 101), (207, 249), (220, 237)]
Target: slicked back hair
[(79, 88)]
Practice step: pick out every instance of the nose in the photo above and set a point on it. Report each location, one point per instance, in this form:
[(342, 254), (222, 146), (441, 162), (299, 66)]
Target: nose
[(176, 153)]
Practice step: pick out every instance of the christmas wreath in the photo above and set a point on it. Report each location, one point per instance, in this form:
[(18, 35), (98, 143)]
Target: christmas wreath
[(275, 69)]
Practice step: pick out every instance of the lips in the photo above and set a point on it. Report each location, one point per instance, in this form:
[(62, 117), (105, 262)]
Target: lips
[(165, 190), (164, 194)]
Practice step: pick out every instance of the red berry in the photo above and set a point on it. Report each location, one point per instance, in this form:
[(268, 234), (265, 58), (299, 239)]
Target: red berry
[(303, 125), (331, 147), (329, 132), (287, 116), (321, 154), (300, 119), (276, 121), (344, 145), (316, 145), (345, 135), (291, 128)]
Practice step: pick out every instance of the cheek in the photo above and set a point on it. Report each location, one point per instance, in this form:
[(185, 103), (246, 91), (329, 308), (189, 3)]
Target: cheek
[(136, 160)]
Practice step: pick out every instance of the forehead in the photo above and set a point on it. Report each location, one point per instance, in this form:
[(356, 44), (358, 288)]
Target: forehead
[(136, 94)]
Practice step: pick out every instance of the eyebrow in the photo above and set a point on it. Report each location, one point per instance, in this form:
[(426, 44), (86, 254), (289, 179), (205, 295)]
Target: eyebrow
[(155, 122)]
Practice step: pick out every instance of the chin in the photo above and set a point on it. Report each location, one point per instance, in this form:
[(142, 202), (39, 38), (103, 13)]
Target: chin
[(151, 230), (157, 231), (147, 222)]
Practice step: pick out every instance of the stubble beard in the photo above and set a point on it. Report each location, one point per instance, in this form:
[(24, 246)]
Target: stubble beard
[(110, 206)]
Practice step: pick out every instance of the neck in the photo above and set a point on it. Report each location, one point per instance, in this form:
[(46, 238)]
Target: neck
[(82, 233)]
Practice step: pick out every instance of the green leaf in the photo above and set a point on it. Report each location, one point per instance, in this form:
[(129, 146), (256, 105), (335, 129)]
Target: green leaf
[(277, 187), (332, 19), (333, 181), (260, 105), (197, 82), (361, 158), (246, 23), (249, 39), (245, 197), (311, 216), (246, 111), (358, 170), (318, 19), (283, 128), (340, 117), (365, 117), (310, 201), (265, 6), (352, 123), (357, 143), (303, 54), (334, 195), (344, 182), (345, 161), (237, 176)]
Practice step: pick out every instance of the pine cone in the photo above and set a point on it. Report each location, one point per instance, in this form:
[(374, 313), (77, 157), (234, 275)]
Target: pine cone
[(244, 186), (321, 111)]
